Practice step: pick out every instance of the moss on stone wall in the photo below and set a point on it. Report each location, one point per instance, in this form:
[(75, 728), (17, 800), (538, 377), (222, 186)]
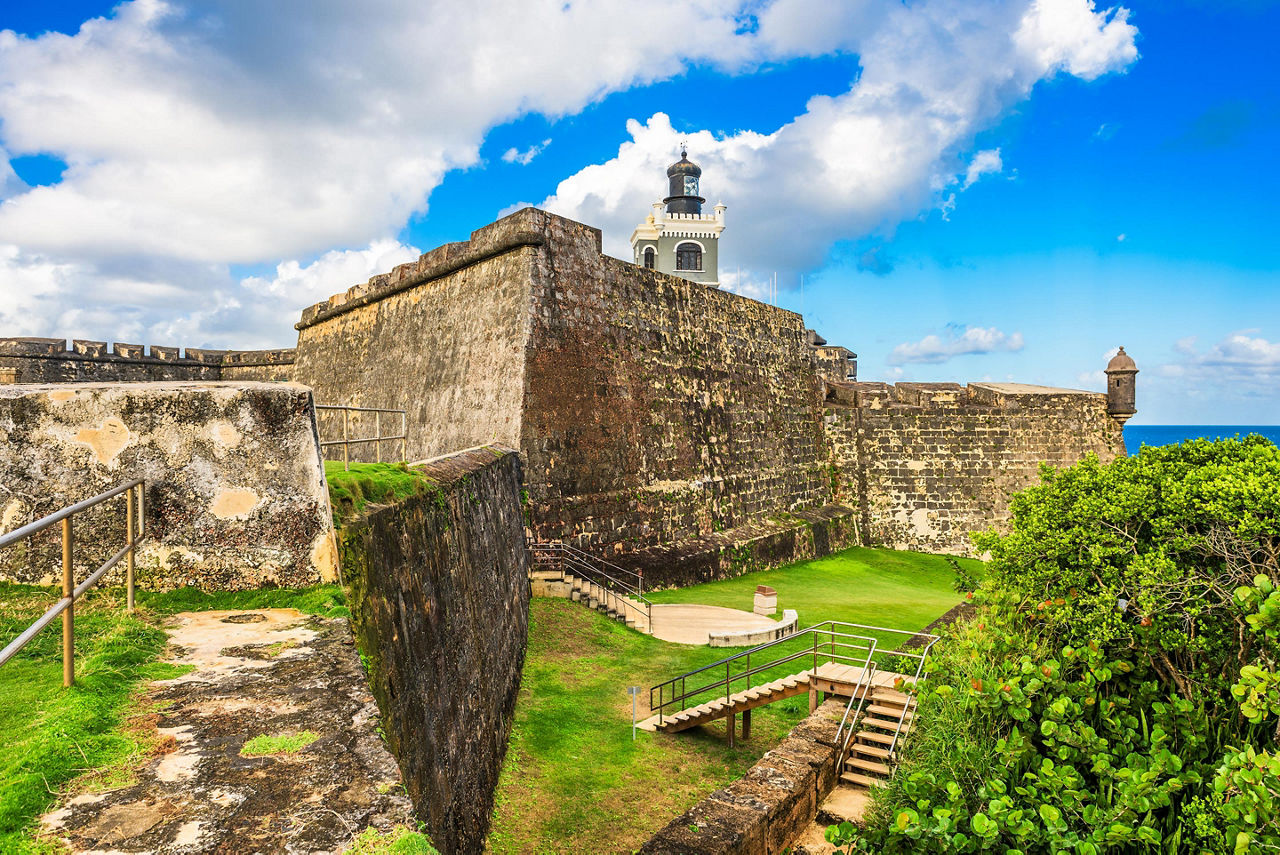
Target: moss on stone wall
[(350, 491)]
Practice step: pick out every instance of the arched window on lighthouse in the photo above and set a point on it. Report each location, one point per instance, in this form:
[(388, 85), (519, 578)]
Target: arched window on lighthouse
[(648, 258), (688, 257)]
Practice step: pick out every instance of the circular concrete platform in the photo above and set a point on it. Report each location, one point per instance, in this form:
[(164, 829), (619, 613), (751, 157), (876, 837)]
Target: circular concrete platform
[(690, 624)]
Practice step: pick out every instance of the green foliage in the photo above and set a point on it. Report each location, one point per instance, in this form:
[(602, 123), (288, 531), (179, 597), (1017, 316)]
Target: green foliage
[(397, 841), (282, 743), (374, 483), (1118, 689)]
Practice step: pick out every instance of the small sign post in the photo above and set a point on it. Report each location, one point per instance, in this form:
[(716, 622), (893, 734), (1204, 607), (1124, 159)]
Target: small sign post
[(633, 691)]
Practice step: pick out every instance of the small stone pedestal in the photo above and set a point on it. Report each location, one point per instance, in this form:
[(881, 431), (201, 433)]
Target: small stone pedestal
[(766, 602)]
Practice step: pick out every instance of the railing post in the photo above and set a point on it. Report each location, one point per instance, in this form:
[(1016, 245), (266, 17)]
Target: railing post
[(68, 616), (130, 537), (377, 435), (346, 446), (404, 438)]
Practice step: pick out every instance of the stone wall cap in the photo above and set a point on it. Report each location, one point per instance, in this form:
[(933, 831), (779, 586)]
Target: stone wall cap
[(1030, 389), (26, 389)]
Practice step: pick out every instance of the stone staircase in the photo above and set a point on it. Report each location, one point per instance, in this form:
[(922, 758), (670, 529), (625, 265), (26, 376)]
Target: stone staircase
[(560, 571), (886, 721)]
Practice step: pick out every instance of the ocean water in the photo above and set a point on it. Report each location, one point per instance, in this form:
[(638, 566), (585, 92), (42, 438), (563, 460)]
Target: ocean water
[(1135, 436)]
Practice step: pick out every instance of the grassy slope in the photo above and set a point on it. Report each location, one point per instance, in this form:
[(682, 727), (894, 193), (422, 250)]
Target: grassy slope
[(575, 782), (50, 736)]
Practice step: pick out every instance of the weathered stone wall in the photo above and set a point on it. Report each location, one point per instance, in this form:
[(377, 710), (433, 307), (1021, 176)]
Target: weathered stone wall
[(931, 463), (664, 424), (442, 338), (650, 410), (766, 809), (440, 597), (49, 360), (658, 410), (235, 492)]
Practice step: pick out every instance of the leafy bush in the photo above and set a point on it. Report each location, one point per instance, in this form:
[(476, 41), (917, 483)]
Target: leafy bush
[(1118, 689)]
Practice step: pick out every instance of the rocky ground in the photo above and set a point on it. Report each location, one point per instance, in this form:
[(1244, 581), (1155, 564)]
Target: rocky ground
[(270, 673)]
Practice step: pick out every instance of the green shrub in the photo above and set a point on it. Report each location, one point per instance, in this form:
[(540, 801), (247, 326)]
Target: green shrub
[(1117, 690)]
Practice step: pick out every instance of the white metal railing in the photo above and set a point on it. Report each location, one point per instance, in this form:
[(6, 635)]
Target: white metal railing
[(378, 437)]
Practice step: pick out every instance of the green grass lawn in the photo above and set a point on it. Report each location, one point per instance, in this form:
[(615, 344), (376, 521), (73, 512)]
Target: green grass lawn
[(574, 781), (54, 739)]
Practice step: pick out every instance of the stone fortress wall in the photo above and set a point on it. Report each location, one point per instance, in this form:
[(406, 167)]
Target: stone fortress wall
[(650, 411), (51, 360), (679, 429), (928, 463)]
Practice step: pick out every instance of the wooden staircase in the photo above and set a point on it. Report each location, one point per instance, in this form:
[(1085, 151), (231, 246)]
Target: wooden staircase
[(738, 702), (886, 720)]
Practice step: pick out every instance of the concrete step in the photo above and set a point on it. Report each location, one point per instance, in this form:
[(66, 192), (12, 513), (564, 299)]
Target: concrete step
[(889, 696)]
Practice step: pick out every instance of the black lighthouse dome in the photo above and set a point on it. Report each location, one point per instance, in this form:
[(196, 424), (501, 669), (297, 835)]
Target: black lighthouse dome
[(683, 177)]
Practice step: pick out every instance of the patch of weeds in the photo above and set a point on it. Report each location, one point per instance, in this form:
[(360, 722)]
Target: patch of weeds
[(398, 841), (264, 745)]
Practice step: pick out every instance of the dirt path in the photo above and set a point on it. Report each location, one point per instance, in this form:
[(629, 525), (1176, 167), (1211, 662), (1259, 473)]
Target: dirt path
[(272, 672)]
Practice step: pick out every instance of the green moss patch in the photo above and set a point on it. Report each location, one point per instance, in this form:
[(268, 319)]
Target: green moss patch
[(350, 491), (284, 743), (397, 841)]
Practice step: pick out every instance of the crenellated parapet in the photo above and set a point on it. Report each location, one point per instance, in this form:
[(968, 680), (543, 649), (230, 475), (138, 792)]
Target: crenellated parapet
[(55, 360)]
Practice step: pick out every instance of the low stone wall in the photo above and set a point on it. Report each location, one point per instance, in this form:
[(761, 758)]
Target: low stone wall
[(770, 806), (440, 600), (769, 543), (235, 491), (50, 360), (749, 637)]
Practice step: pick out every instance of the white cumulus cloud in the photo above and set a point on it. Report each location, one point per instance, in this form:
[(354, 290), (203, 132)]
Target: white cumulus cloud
[(203, 134), (515, 155), (934, 349), (933, 75)]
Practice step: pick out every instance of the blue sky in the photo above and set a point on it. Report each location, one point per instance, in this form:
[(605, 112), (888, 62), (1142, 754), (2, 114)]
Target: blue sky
[(1103, 177)]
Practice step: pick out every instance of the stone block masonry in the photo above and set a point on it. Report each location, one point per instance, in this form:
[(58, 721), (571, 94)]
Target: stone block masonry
[(235, 490), (929, 463), (664, 424), (439, 594), (764, 811), (50, 360), (650, 411)]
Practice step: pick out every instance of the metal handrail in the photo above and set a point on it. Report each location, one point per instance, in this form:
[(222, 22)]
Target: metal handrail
[(860, 694), (585, 565), (135, 532), (826, 628), (911, 698), (346, 442)]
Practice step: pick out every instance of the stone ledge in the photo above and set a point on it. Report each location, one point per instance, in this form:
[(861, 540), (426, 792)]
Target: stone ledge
[(770, 806), (748, 637)]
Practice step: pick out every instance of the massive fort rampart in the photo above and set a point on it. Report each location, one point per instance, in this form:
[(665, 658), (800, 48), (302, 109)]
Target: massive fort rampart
[(680, 429)]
